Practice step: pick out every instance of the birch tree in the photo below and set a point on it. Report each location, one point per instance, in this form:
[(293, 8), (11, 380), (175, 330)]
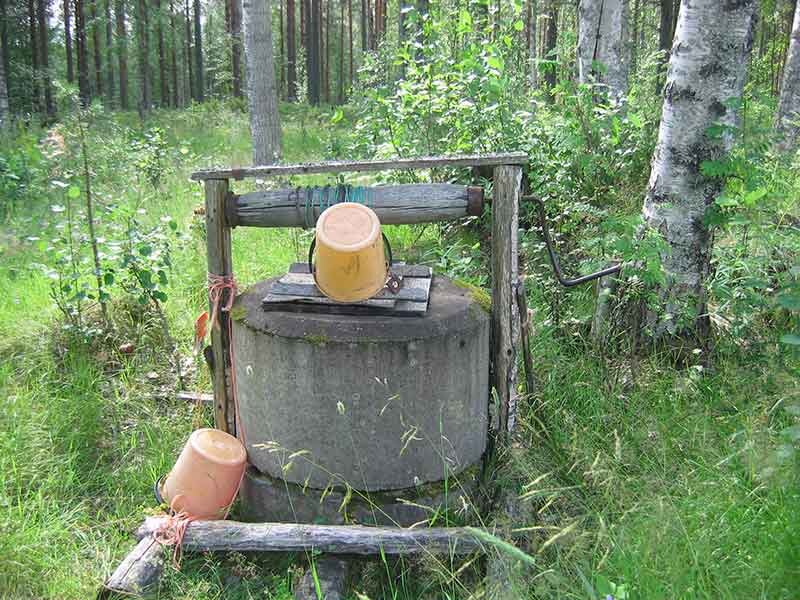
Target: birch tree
[(707, 69), (602, 44), (788, 117), (261, 90)]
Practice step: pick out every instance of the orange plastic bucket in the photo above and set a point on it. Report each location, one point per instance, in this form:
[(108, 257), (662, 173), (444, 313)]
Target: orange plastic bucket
[(351, 265), (206, 477)]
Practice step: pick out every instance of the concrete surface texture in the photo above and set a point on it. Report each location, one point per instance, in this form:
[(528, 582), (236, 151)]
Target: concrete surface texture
[(373, 402)]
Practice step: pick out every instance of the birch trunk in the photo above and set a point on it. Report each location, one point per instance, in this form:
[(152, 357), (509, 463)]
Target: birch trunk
[(707, 68), (261, 92), (66, 10), (788, 117), (602, 47)]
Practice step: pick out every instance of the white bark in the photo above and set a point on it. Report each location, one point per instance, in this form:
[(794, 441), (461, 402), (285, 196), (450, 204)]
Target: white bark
[(262, 93), (788, 118), (707, 68), (603, 55), (5, 111)]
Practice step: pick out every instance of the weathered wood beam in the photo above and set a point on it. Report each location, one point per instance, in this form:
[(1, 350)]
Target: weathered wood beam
[(428, 162), (138, 573), (218, 242), (505, 278), (207, 536), (394, 205)]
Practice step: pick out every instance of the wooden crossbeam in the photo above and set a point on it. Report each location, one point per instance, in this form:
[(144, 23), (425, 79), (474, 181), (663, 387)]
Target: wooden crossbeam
[(354, 166)]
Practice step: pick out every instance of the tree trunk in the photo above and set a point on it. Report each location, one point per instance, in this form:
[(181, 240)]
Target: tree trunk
[(198, 54), (326, 54), (291, 52), (98, 61), (533, 17), (4, 38), (44, 57), (350, 43), (122, 52), (282, 56), (68, 41), (788, 116), (109, 53), (143, 41), (701, 79), (602, 44), (162, 60), (340, 94), (312, 51), (665, 33), (36, 92), (635, 36), (189, 67), (5, 109), (364, 25), (173, 55), (84, 90), (261, 93), (236, 46), (550, 39)]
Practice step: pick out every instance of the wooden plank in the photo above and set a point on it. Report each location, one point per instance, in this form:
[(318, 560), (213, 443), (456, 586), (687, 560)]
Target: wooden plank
[(199, 397), (505, 278), (387, 304), (400, 308), (394, 205), (138, 573), (416, 289), (428, 162), (218, 243), (400, 269), (205, 536)]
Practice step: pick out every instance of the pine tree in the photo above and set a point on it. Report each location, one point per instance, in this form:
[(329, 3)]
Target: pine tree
[(122, 52)]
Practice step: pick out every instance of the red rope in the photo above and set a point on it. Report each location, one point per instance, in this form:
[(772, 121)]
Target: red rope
[(217, 284)]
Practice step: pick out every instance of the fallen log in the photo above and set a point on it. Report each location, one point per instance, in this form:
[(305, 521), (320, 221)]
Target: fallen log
[(331, 539), (138, 573)]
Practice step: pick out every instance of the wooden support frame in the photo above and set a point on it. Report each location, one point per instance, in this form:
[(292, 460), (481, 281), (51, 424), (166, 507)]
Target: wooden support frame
[(141, 569), (224, 210)]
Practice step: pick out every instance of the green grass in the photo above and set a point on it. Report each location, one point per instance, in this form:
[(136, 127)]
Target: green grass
[(662, 481)]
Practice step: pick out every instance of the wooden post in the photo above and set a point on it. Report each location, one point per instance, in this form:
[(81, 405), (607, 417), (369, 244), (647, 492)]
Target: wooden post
[(218, 240), (505, 278)]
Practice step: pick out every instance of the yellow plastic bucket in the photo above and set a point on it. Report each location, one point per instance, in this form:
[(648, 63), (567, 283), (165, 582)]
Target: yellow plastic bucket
[(206, 477), (350, 265)]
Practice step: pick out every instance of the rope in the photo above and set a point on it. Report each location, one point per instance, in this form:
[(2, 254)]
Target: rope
[(172, 531), (317, 199), (217, 284)]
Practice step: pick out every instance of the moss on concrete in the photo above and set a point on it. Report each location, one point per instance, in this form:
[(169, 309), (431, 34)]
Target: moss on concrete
[(479, 295)]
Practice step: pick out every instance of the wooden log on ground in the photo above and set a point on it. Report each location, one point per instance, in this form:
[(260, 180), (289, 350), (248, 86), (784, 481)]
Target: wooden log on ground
[(394, 205), (345, 166), (505, 278), (207, 536), (331, 572), (139, 572)]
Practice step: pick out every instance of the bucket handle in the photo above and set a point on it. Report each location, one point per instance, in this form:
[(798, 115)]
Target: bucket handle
[(313, 247)]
